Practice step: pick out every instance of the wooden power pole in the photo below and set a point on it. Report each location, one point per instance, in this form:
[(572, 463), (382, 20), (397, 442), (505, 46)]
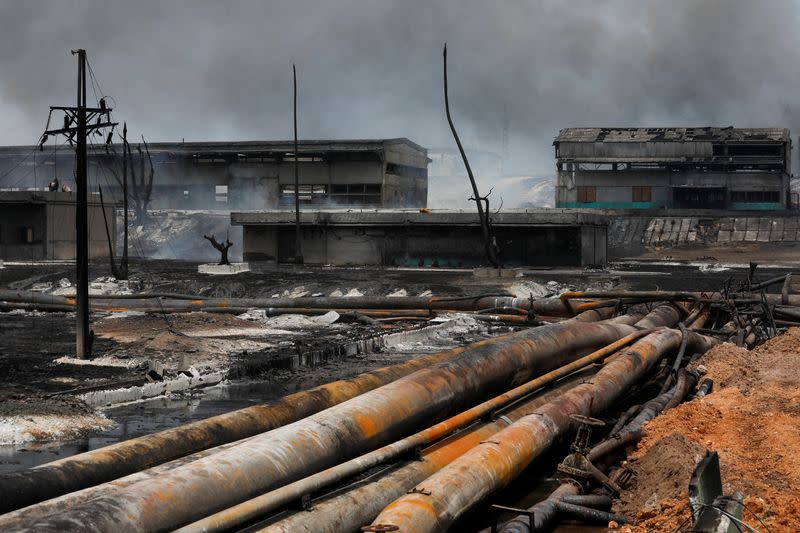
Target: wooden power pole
[(76, 128)]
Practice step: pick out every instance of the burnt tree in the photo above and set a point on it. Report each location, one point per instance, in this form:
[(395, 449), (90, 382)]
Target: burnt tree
[(222, 247), (140, 189)]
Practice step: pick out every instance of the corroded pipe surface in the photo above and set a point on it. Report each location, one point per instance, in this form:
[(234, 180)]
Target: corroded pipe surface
[(259, 506), (349, 510), (359, 506), (449, 493), (280, 456)]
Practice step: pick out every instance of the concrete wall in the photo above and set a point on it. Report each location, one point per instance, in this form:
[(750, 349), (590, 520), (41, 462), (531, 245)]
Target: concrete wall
[(427, 246), (614, 188), (50, 227), (632, 235), (645, 149), (61, 231)]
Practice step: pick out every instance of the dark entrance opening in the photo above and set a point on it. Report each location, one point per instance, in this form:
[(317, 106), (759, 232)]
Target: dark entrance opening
[(699, 197)]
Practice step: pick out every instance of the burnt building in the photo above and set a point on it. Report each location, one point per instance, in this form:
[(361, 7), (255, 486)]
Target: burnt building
[(247, 174), (36, 225), (692, 168)]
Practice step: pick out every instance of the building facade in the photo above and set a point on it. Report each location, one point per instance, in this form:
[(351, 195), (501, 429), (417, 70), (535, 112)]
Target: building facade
[(404, 238), (246, 174), (685, 168), (41, 225)]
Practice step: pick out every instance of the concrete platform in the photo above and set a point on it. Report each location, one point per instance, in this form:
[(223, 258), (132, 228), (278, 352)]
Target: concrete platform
[(223, 270)]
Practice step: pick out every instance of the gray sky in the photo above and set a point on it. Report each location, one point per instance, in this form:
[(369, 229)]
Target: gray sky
[(222, 70)]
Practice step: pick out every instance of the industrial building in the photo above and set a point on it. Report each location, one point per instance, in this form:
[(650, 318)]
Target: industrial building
[(41, 225), (399, 238), (247, 174), (691, 168)]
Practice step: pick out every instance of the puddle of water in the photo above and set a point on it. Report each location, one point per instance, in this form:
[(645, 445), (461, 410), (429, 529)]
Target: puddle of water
[(142, 418)]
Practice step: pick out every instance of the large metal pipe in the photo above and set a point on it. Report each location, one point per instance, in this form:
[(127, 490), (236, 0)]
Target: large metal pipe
[(544, 306), (356, 506), (449, 493), (304, 447), (73, 473), (261, 505)]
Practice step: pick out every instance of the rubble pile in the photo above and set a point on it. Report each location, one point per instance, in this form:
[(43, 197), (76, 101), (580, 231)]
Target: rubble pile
[(752, 420)]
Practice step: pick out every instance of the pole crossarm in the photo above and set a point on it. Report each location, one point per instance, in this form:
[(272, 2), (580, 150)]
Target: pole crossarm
[(72, 131)]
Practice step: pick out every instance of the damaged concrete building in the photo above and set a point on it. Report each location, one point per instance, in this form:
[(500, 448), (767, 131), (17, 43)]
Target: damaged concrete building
[(252, 174), (690, 168), (41, 225)]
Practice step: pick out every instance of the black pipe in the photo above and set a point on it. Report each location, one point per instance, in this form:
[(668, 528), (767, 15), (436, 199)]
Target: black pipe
[(703, 389), (595, 501), (686, 382), (678, 359), (626, 416), (587, 514)]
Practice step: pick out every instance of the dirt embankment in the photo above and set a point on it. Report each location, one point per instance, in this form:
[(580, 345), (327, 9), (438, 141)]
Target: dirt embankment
[(753, 421)]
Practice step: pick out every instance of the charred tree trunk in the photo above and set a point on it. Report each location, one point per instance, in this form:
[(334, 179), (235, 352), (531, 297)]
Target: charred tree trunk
[(222, 247)]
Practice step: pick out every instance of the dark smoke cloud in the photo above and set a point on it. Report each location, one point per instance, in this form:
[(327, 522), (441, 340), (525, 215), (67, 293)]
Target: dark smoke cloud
[(222, 70)]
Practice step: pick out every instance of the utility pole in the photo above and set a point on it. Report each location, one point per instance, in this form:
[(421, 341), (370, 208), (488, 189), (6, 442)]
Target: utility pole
[(125, 161), (298, 252), (80, 116), (83, 349)]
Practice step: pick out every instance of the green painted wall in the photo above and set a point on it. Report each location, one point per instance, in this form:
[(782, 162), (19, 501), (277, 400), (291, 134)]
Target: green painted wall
[(757, 206)]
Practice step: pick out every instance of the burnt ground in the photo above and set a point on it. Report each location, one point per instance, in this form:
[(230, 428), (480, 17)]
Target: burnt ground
[(30, 342)]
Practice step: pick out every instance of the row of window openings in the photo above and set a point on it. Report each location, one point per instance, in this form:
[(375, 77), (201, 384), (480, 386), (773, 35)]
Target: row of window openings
[(308, 192), (588, 194), (348, 193), (359, 188)]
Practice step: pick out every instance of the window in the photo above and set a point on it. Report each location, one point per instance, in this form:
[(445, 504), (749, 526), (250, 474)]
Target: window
[(755, 196), (641, 193), (587, 194), (406, 170), (221, 193), (356, 193), (307, 193)]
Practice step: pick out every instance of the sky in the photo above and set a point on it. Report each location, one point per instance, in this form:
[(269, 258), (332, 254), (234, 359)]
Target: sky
[(209, 70)]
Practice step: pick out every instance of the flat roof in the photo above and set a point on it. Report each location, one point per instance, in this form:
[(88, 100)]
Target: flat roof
[(50, 197), (244, 147), (676, 134), (405, 217)]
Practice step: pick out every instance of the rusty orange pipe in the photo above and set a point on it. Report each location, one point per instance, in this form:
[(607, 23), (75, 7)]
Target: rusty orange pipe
[(443, 497), (260, 505), (353, 508)]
